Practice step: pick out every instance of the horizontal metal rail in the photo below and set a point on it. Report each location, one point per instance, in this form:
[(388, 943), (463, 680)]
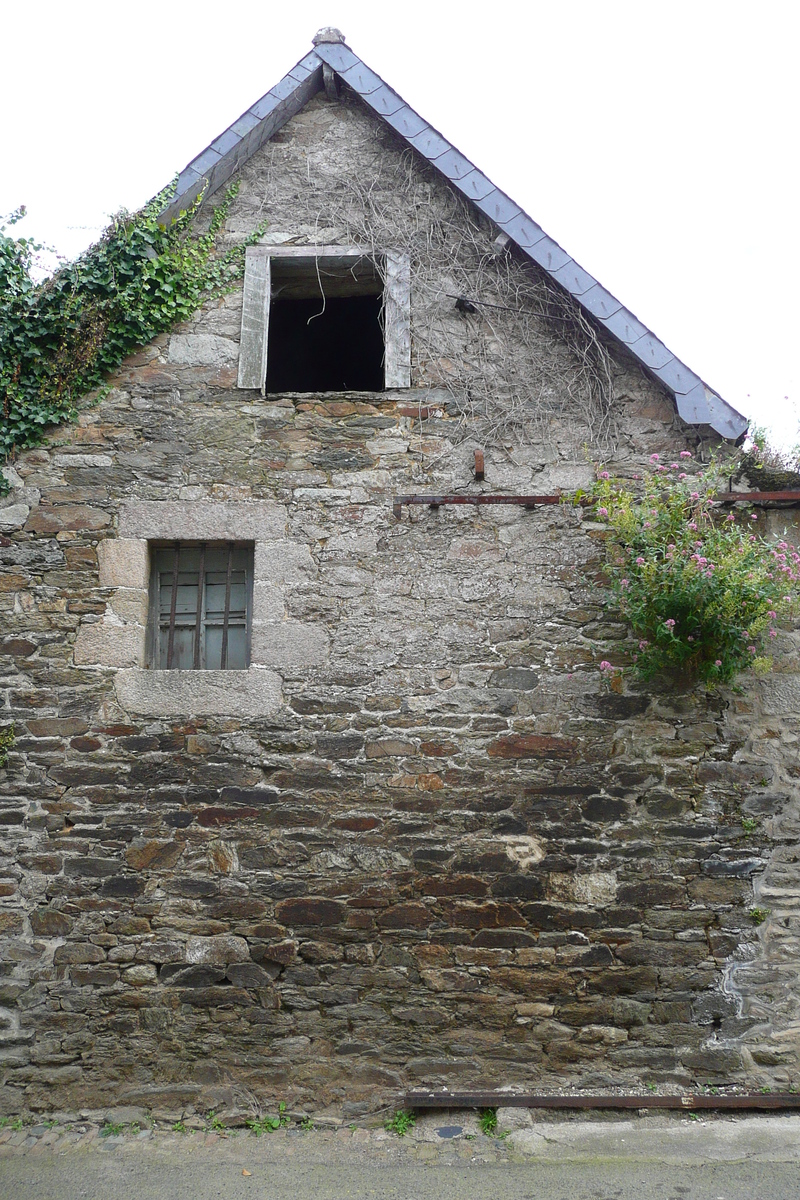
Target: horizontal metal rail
[(757, 497), (478, 498), (585, 501), (688, 1103)]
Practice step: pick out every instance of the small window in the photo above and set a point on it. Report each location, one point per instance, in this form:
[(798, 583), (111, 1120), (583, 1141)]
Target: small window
[(332, 319), (200, 604)]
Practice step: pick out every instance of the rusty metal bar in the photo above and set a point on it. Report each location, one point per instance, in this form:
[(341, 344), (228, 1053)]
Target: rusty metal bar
[(748, 1100), (756, 497), (483, 498), (173, 604), (585, 501), (198, 620)]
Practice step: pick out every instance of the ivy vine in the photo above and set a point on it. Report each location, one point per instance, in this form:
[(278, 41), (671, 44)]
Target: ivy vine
[(60, 338)]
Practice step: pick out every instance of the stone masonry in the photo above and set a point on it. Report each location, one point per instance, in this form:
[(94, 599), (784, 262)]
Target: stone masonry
[(420, 840)]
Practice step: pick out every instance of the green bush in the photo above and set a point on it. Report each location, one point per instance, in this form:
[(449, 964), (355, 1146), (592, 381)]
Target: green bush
[(700, 590), (59, 339)]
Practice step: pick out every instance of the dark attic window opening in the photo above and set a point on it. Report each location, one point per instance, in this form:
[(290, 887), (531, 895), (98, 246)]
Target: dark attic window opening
[(325, 326)]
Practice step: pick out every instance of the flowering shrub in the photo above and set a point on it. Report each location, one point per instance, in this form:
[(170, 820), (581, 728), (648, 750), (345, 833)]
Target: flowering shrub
[(701, 591)]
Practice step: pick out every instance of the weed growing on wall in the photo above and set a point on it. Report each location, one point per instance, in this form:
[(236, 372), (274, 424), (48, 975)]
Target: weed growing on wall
[(701, 591), (58, 339)]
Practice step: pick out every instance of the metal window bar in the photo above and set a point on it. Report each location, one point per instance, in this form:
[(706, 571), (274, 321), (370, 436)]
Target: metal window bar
[(227, 613), (173, 604), (202, 593), (198, 621)]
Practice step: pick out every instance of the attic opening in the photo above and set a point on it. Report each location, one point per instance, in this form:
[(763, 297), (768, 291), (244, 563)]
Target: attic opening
[(326, 331), (325, 319)]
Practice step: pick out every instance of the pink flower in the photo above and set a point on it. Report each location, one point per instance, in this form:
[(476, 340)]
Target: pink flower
[(670, 624), (685, 454), (604, 475), (654, 458), (751, 649), (717, 662), (643, 644), (695, 495), (683, 475), (674, 466), (623, 583), (693, 525), (606, 666), (640, 561), (772, 614), (772, 633), (602, 512)]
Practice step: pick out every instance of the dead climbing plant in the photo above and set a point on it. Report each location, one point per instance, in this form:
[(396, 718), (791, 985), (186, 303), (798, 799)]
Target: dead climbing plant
[(506, 376)]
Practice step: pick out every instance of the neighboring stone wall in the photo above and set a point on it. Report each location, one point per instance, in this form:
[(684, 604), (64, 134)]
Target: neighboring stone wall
[(444, 850)]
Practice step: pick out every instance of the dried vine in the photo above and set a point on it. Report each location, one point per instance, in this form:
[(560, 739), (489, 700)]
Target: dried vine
[(507, 377)]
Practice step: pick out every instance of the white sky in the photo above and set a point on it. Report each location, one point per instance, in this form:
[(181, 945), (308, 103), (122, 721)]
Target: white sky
[(656, 140)]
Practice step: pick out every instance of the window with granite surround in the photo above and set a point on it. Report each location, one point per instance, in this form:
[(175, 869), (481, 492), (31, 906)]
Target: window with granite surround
[(135, 582), (325, 319), (200, 606)]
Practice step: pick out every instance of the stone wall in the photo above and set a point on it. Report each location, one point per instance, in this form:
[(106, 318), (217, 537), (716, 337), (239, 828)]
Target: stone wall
[(442, 850)]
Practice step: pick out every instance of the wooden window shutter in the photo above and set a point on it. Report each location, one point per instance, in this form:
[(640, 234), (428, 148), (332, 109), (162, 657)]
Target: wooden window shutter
[(255, 320), (397, 319)]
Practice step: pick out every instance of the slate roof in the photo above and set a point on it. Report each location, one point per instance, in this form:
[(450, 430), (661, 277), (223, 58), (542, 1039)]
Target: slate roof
[(696, 403)]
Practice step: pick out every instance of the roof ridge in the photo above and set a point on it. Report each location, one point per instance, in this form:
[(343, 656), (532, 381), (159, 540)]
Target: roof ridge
[(696, 402)]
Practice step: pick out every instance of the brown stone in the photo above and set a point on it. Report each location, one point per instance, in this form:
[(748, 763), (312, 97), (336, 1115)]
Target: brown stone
[(48, 923), (531, 745), (438, 749), (452, 885), (213, 817), (389, 748), (310, 910), (357, 824), (154, 856), (79, 952), (66, 516), (86, 745), (17, 647), (55, 726), (405, 916)]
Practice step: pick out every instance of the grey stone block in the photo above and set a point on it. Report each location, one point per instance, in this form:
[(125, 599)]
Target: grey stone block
[(108, 644), (203, 520), (202, 349), (14, 517), (123, 562), (289, 644), (251, 693)]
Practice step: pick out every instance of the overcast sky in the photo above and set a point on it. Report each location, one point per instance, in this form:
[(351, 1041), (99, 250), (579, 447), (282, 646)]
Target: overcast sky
[(656, 141)]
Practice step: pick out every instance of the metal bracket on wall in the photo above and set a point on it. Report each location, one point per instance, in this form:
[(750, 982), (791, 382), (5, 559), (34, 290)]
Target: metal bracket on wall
[(437, 501)]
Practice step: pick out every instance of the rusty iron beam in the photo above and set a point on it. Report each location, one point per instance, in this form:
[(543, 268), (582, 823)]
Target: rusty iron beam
[(688, 1103), (756, 497), (585, 501), (483, 498)]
